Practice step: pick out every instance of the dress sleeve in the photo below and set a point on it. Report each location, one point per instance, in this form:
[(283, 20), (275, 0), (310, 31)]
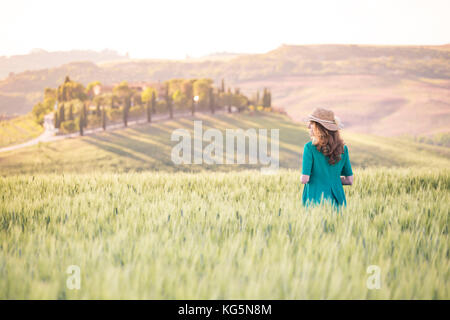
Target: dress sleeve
[(307, 161), (347, 168)]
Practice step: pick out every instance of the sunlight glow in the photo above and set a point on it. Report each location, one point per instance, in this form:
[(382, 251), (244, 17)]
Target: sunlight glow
[(176, 29)]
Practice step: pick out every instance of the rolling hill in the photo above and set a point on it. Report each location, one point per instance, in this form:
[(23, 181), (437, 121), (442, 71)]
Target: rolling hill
[(38, 59), (371, 104), (382, 90), (148, 147), (19, 129)]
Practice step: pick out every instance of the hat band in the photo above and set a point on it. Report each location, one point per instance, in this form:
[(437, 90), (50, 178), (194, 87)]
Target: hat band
[(321, 120)]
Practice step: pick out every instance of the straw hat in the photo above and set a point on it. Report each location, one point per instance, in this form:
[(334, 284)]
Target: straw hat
[(326, 118)]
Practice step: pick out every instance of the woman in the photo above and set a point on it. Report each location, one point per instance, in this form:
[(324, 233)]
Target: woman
[(326, 164)]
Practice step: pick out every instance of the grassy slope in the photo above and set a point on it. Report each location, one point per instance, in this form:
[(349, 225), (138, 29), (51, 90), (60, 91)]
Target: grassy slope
[(148, 147), (19, 130)]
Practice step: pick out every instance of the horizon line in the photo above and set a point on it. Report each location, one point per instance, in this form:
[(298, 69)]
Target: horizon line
[(188, 57)]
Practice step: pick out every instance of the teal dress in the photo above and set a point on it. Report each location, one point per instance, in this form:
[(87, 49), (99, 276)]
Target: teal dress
[(325, 179)]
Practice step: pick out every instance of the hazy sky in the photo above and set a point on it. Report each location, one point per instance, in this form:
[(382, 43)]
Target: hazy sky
[(174, 29)]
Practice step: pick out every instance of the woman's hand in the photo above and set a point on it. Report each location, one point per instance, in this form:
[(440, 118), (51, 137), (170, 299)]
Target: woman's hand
[(347, 180), (304, 178)]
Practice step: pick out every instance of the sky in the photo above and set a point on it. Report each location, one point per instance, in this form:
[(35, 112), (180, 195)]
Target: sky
[(168, 29)]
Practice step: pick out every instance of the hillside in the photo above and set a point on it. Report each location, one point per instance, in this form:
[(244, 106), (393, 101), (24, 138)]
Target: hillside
[(39, 59), (371, 104), (383, 90), (148, 147), (18, 130)]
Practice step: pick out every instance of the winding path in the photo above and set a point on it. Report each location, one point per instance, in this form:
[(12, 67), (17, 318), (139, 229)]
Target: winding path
[(50, 131)]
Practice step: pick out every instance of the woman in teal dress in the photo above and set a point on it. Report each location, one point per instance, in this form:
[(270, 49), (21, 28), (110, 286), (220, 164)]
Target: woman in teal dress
[(326, 164)]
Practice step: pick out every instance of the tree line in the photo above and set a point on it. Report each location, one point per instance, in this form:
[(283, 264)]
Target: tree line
[(76, 107)]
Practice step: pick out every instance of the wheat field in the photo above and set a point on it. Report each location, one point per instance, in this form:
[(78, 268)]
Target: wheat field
[(236, 235)]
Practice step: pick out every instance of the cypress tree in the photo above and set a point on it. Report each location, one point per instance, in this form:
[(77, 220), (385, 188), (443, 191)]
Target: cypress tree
[(63, 96), (56, 120), (103, 118), (61, 114), (222, 87), (71, 112), (80, 123), (265, 98), (237, 92), (169, 102), (153, 102), (125, 111), (211, 100), (85, 118), (229, 99), (149, 111)]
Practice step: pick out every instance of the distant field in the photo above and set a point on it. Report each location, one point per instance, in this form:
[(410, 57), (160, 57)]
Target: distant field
[(148, 147), (18, 130), (238, 235), (372, 104)]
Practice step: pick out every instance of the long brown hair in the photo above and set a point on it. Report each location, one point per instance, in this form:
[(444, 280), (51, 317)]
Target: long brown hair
[(328, 142)]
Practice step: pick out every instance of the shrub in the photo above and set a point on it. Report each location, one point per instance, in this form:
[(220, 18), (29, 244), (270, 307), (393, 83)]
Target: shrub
[(161, 107), (69, 126), (136, 111), (94, 121), (114, 114)]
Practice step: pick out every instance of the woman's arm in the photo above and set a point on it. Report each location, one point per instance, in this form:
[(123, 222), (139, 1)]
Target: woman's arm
[(347, 180), (307, 164), (304, 178)]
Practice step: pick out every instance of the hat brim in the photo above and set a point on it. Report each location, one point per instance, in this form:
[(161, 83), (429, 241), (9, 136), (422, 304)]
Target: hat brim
[(329, 126)]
